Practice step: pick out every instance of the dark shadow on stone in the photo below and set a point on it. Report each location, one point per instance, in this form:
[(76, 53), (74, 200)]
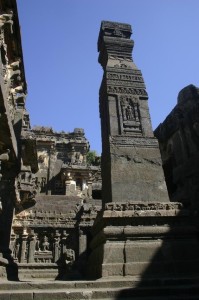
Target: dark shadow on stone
[(173, 270), (11, 268), (71, 271), (12, 272)]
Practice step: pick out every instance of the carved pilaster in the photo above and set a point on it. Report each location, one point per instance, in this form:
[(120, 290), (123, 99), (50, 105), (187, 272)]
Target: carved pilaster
[(70, 185), (12, 241), (56, 246), (31, 249), (82, 242), (23, 252), (64, 241)]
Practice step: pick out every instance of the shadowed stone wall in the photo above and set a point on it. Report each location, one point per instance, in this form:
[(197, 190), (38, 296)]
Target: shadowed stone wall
[(178, 137), (18, 159)]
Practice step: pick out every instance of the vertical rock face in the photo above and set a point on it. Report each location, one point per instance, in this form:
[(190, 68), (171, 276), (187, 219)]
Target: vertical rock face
[(18, 159), (131, 163), (178, 137)]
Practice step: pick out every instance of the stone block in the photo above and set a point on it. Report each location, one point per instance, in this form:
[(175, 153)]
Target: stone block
[(4, 296), (59, 295), (113, 252), (125, 182), (150, 269), (115, 269), (139, 251), (21, 296), (51, 295)]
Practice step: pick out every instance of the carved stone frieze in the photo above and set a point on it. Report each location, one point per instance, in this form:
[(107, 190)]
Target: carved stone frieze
[(138, 142), (126, 84), (118, 77), (121, 72), (126, 90), (140, 206)]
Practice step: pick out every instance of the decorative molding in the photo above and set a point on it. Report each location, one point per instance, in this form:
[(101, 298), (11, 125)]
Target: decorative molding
[(143, 206), (126, 83), (124, 77), (137, 142), (126, 90)]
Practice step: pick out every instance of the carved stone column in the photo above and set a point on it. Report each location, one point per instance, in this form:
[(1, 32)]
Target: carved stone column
[(12, 241), (139, 232), (23, 246), (31, 249), (70, 185), (64, 241), (131, 162), (56, 246), (7, 200), (82, 242), (49, 173)]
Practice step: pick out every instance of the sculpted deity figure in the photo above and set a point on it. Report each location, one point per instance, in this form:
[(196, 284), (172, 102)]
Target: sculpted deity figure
[(45, 244)]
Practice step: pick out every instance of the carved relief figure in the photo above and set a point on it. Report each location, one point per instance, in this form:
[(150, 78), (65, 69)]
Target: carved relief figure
[(130, 114), (130, 110), (69, 257), (45, 244)]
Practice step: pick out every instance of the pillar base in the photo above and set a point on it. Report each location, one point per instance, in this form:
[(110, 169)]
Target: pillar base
[(149, 240)]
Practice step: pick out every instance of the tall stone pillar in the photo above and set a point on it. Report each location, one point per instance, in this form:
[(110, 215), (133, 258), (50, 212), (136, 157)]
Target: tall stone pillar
[(23, 246), (82, 242), (139, 231), (56, 246), (12, 241), (31, 249), (64, 241), (131, 162)]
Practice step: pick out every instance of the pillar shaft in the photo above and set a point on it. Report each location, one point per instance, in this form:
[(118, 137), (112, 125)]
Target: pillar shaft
[(131, 162)]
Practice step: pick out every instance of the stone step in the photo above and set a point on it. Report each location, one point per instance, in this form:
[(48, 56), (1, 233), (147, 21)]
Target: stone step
[(108, 294), (99, 289)]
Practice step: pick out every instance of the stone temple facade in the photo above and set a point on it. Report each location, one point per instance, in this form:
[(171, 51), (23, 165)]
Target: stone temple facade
[(49, 192), (64, 211), (139, 237)]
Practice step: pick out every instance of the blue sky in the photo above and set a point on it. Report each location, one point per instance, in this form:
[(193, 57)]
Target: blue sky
[(59, 40)]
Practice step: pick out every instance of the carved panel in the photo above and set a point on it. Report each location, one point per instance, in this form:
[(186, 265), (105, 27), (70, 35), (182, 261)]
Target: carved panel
[(130, 114)]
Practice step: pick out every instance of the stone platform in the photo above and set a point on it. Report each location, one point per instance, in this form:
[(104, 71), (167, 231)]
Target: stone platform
[(110, 289), (144, 239)]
